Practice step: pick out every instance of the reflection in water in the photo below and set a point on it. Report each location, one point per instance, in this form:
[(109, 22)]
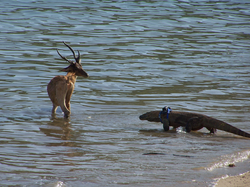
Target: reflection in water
[(59, 128)]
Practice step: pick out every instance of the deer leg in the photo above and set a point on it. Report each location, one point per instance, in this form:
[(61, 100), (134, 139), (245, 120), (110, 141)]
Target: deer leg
[(67, 99), (70, 87), (54, 108), (61, 91), (64, 108), (68, 105)]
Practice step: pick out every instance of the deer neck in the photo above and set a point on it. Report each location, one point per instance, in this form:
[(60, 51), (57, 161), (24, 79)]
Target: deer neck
[(71, 77)]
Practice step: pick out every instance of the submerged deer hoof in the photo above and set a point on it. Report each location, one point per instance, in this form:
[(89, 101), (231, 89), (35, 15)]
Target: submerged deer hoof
[(66, 114)]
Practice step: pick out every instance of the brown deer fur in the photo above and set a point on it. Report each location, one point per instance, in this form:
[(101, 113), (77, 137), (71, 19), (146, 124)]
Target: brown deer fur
[(60, 88)]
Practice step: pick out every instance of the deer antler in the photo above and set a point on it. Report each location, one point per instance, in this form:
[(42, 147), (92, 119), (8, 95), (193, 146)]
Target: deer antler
[(64, 58), (77, 59)]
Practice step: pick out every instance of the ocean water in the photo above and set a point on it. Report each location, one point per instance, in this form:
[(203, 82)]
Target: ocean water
[(140, 56)]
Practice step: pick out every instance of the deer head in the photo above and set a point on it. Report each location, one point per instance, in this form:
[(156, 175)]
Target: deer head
[(75, 66)]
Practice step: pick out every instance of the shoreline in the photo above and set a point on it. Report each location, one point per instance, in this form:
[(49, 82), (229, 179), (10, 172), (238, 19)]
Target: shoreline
[(241, 180)]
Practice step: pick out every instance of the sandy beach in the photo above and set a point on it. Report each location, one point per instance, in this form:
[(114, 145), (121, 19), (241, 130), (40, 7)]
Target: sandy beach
[(242, 180)]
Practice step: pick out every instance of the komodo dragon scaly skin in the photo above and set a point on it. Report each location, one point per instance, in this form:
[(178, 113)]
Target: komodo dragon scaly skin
[(191, 121)]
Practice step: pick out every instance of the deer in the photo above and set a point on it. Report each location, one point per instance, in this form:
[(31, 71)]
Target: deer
[(60, 88)]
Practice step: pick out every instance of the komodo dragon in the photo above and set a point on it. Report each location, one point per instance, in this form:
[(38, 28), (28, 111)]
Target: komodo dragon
[(191, 121)]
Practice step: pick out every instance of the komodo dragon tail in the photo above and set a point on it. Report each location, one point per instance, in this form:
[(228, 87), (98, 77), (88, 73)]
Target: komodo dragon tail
[(221, 125)]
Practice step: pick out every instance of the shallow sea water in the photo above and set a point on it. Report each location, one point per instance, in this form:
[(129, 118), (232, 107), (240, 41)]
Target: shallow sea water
[(140, 56)]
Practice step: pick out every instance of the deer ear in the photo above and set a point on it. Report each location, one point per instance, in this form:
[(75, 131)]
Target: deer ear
[(66, 69)]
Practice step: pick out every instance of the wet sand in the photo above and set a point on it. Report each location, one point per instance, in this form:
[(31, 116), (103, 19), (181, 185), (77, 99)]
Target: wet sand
[(242, 180)]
